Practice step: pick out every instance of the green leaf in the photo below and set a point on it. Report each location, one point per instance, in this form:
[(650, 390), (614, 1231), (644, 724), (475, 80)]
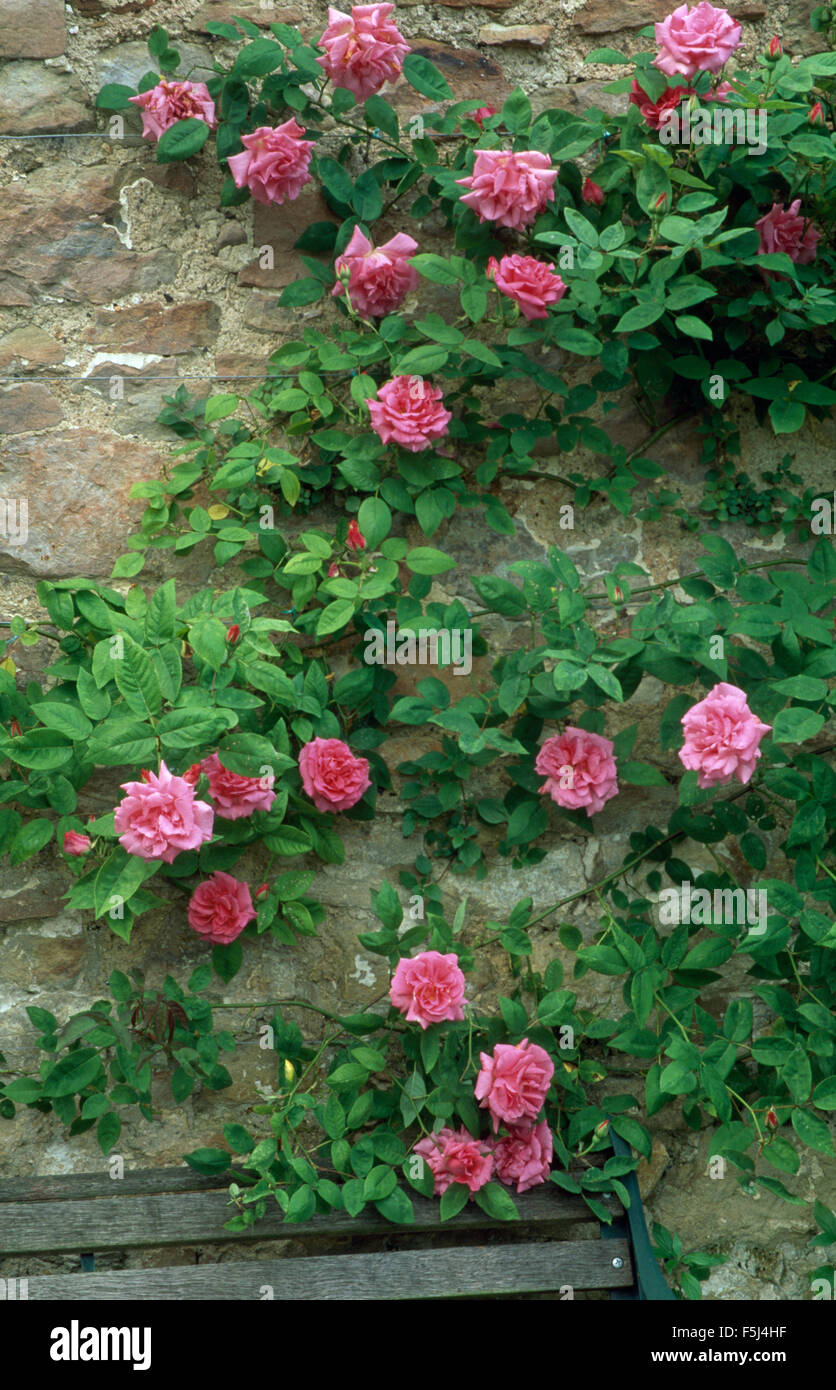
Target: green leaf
[(375, 521), (381, 115), (226, 960), (73, 1073), (454, 1199), (108, 1130), (367, 198), (423, 559), (335, 179), (435, 268), (182, 140), (796, 725), (576, 340), (494, 1200), (425, 77), (335, 615), (824, 1096), (210, 1162), (118, 879), (812, 1131), (114, 97), (29, 839), (641, 775), (397, 1207)]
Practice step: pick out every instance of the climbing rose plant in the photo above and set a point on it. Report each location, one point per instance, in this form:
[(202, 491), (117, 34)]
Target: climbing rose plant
[(175, 740)]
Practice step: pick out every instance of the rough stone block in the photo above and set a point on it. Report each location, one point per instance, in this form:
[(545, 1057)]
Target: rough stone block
[(32, 29), (76, 483), (156, 328)]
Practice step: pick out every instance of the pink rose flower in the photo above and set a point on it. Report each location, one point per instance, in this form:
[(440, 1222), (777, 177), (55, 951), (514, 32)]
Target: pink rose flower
[(159, 818), (514, 1082), (380, 278), (274, 165), (483, 114), (170, 102), (579, 769), (530, 283), (721, 737), (525, 1156), (363, 50), (592, 193), (220, 908), (410, 412), (236, 796), (454, 1155), (428, 988), (332, 777), (784, 229), (698, 40), (509, 188), (75, 843), (656, 113)]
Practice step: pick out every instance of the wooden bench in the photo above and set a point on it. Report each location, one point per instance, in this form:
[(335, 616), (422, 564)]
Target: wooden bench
[(471, 1255)]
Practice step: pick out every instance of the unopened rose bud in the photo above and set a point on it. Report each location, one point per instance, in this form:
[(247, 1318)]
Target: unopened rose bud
[(289, 1072), (233, 633), (776, 48), (618, 592), (771, 1118), (592, 192), (15, 729), (483, 114), (144, 774), (192, 774), (602, 1127), (333, 569), (75, 843), (816, 114), (661, 200), (262, 891), (355, 539)]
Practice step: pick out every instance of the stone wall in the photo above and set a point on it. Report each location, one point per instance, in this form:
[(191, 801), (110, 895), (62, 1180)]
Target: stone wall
[(111, 265)]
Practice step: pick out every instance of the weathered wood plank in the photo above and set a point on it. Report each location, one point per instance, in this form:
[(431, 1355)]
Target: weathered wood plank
[(126, 1222), (422, 1274), (61, 1186)]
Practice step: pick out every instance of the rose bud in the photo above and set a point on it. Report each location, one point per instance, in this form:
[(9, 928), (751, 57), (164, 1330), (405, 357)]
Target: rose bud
[(483, 114), (262, 891), (144, 774), (191, 774), (15, 729), (771, 1118), (661, 200), (233, 633), (333, 569), (592, 192), (75, 843), (816, 114), (355, 539), (776, 48), (602, 1127)]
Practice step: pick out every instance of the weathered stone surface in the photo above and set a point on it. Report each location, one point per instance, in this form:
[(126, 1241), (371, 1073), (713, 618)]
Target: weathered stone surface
[(134, 396), (224, 11), (30, 407), (32, 29), (39, 100), (469, 73), (76, 482), (29, 347), (127, 62), (535, 34), (156, 328), (54, 241), (603, 17), (34, 889), (263, 316), (46, 951), (275, 229), (795, 30)]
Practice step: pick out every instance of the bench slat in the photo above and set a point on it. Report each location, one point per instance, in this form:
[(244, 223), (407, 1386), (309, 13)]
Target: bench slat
[(123, 1222), (54, 1187), (421, 1274)]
